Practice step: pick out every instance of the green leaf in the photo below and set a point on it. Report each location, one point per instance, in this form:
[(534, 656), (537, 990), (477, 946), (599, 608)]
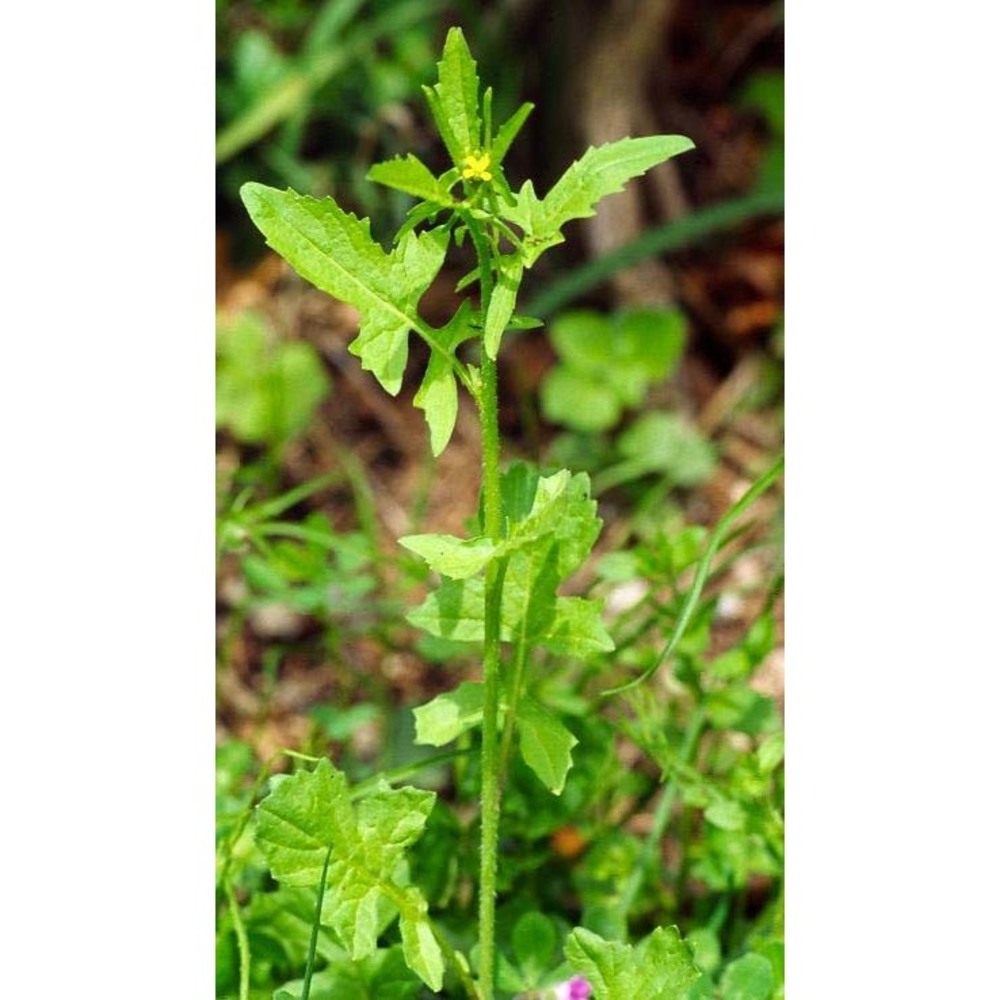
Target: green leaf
[(457, 558), (534, 942), (665, 443), (447, 716), (748, 978), (438, 392), (454, 100), (502, 304), (658, 968), (726, 814), (334, 250), (577, 629), (771, 752), (308, 823), (545, 744), (599, 172), (412, 177), (579, 400), (507, 133), (266, 390)]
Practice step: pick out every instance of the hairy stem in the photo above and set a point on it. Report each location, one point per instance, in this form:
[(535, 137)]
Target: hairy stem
[(491, 679), (493, 526)]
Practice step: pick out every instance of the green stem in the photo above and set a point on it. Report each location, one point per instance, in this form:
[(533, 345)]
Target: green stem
[(513, 697), (493, 526), (459, 965), (491, 678), (242, 942), (314, 937)]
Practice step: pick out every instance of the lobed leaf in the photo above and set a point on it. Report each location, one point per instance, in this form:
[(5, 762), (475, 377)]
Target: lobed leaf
[(438, 392), (334, 250), (308, 823), (601, 171)]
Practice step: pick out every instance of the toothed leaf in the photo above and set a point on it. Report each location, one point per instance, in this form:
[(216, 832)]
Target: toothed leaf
[(308, 819), (412, 177), (454, 99), (601, 171)]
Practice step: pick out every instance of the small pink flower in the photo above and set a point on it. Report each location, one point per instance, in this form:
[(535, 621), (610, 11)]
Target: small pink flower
[(576, 988)]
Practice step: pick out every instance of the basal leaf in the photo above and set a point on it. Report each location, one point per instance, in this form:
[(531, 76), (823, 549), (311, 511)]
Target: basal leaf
[(308, 824), (335, 251), (454, 100), (545, 744), (412, 177), (659, 968), (601, 171)]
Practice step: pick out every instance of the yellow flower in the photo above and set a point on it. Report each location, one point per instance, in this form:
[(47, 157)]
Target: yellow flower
[(477, 168)]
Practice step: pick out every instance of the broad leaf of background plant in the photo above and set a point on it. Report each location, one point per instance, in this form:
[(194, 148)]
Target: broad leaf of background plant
[(309, 818), (601, 171), (335, 251), (266, 390), (660, 967)]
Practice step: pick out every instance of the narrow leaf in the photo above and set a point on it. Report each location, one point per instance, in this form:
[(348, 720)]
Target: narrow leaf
[(508, 131), (455, 101), (502, 304)]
